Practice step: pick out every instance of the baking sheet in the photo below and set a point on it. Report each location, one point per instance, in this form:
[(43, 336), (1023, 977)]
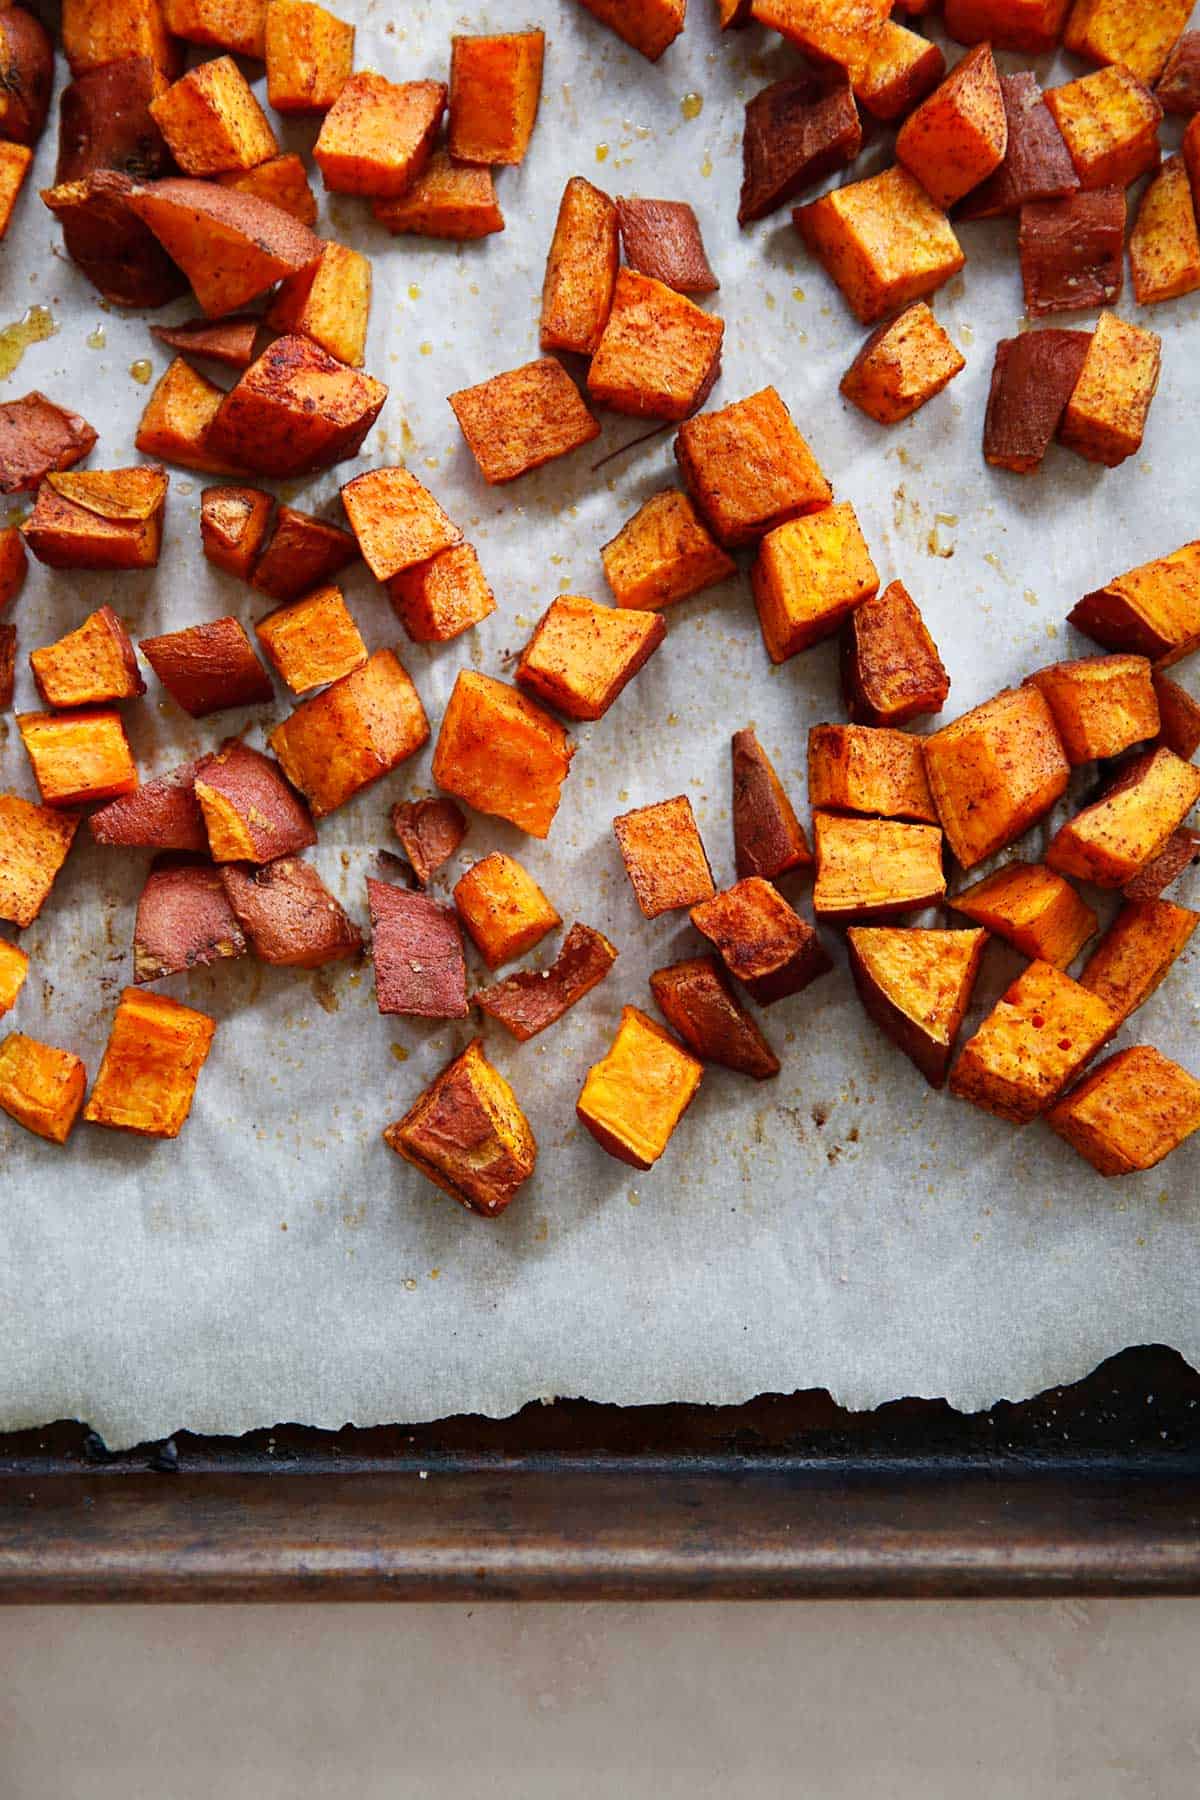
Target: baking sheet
[(843, 1227)]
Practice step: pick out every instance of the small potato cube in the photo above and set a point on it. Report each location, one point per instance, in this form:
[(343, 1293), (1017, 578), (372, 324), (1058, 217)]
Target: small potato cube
[(37, 436), (163, 814), (636, 1095), (797, 132), (1072, 251), (868, 769), (1033, 378), (748, 469), (836, 31), (429, 831), (13, 564), (208, 668), (648, 26), (958, 136), (916, 986), (34, 841), (1111, 840), (532, 999), (15, 161), (250, 812), (226, 341), (233, 525), (898, 69), (295, 410), (329, 302), (1032, 908), (768, 838), (1137, 952), (1101, 704), (495, 86), (156, 1050), (1177, 89), (1136, 33), (1105, 418), (809, 574), (1032, 26), (289, 915), (763, 942), (177, 420), (901, 366), (1130, 1112), (437, 600), (503, 908), (581, 655), (95, 32), (417, 950), (468, 1135), (1037, 164), (448, 199), (14, 966), (313, 641), (93, 663), (282, 182), (663, 554), (230, 244), (396, 520), (875, 868), (309, 55), (40, 1087), (99, 519), (659, 354), (699, 1005), (212, 122), (891, 670), (662, 239), (581, 270), (1110, 121), (378, 134), (882, 240), (351, 733), (183, 918), (521, 419), (1179, 717), (237, 25), (77, 757), (664, 856), (1164, 248), (1153, 610), (304, 553), (1034, 1041), (994, 771), (502, 754)]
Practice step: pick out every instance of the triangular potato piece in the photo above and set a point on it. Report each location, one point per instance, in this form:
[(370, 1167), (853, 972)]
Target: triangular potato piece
[(231, 246), (916, 985)]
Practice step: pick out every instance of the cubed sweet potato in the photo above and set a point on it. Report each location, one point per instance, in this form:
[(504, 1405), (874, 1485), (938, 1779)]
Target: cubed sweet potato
[(396, 520), (1153, 610), (1037, 164), (659, 354), (15, 162), (104, 122), (994, 771), (1110, 121), (797, 132), (99, 518), (351, 733), (581, 656), (532, 999), (661, 238), (1032, 26), (212, 121), (902, 365), (836, 31), (958, 136), (1032, 908), (1164, 247), (41, 1087), (1137, 952), (1033, 377), (467, 1134), (295, 410), (183, 918), (874, 868), (1181, 851), (1105, 418), (417, 950), (14, 967), (916, 986), (78, 756), (891, 670), (231, 245), (329, 302), (155, 1052), (503, 908), (635, 1096), (762, 941), (501, 753), (229, 342), (1072, 251), (378, 134), (237, 25), (701, 1007), (26, 76), (304, 553), (309, 55), (495, 86), (448, 199), (437, 600), (1101, 704), (519, 420), (34, 841), (162, 814), (13, 564), (250, 813), (1130, 1112), (768, 838), (178, 418), (93, 663), (581, 269), (313, 641), (882, 240), (1135, 33), (648, 26), (1111, 840), (809, 574), (429, 832), (36, 437), (233, 525), (664, 856), (288, 914), (95, 32), (868, 769), (748, 469), (1178, 717), (663, 554), (208, 668), (282, 181), (1177, 89), (1034, 1041), (896, 71)]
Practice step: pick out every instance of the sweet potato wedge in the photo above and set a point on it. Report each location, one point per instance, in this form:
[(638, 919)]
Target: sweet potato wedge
[(429, 832), (79, 756), (581, 270), (659, 354), (1110, 122), (313, 641), (838, 31), (178, 417), (532, 999), (467, 1134), (503, 908), (13, 564), (501, 753), (237, 25), (664, 856), (351, 733), (99, 518), (34, 841), (304, 553), (517, 421), (1135, 33), (417, 949), (700, 1006), (229, 342), (1181, 851), (1072, 251), (1031, 26), (378, 135), (495, 86), (581, 656), (635, 1096), (250, 813), (1177, 89), (108, 242), (1153, 610), (295, 410), (1109, 842), (1178, 716), (797, 132), (437, 600), (661, 239), (1033, 378), (1137, 952), (1164, 247), (810, 573), (231, 245), (748, 469), (208, 668), (994, 771), (1036, 1039), (41, 1087), (183, 918), (152, 1062), (916, 986), (768, 838), (396, 520), (762, 941), (233, 524), (1101, 704), (1105, 418), (1033, 909), (891, 670), (896, 71), (96, 32), (281, 181), (288, 914), (14, 967), (88, 666), (26, 76), (162, 814), (1130, 1112)]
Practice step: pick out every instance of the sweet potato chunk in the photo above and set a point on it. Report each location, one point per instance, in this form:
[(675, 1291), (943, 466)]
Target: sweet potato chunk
[(836, 31), (97, 33), (233, 525), (495, 86), (351, 733), (312, 642), (289, 915), (748, 469), (1137, 952), (34, 841), (329, 302), (1101, 704), (663, 554), (183, 918), (763, 942), (797, 132), (1105, 418), (93, 663), (662, 239), (635, 1096), (1034, 1041), (231, 245), (875, 868), (295, 410), (396, 520), (163, 814), (581, 270), (1135, 33), (15, 162), (429, 831), (659, 354), (117, 252), (958, 136), (1164, 248), (37, 436), (1110, 121), (226, 341), (437, 600), (699, 1005), (1032, 26), (502, 754), (448, 199), (1177, 89), (521, 419), (13, 564), (1033, 378), (768, 838), (304, 553), (503, 908), (901, 366), (282, 182), (1181, 851), (237, 25), (1037, 164), (891, 670), (882, 240), (1032, 908), (41, 1087), (994, 771), (104, 122), (212, 121), (77, 757), (1153, 610), (896, 71), (1111, 840), (26, 76), (809, 574), (14, 967), (649, 26), (309, 55), (532, 999), (417, 948), (250, 813), (664, 856), (155, 1052), (468, 1135), (378, 134), (1130, 1112), (178, 418), (581, 655), (207, 668), (868, 769), (99, 519), (1179, 717), (916, 986), (1072, 251)]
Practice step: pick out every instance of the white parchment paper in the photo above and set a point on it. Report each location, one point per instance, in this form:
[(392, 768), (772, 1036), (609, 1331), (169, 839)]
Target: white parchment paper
[(842, 1227)]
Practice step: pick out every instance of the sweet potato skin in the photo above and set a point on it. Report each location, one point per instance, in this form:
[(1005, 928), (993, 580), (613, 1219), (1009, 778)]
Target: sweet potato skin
[(103, 236), (288, 914), (229, 342), (662, 240), (429, 832), (1131, 1111), (1179, 717), (797, 132), (891, 670), (702, 1010), (1072, 251), (183, 919), (208, 668), (532, 999), (13, 565), (1181, 850), (303, 555), (162, 814), (420, 969), (26, 76), (1177, 89), (664, 856), (233, 525), (768, 837), (1037, 164), (467, 1134), (1033, 378), (250, 813)]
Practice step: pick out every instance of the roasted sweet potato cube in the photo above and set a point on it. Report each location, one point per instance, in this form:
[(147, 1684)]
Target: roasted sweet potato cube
[(581, 269), (659, 354), (329, 302), (99, 519), (701, 1007), (14, 966), (309, 55), (208, 668), (429, 831), (282, 181), (93, 663), (378, 134), (1110, 120), (797, 132), (15, 161), (1032, 26), (868, 769), (1179, 717), (809, 574), (891, 670), (827, 30), (521, 419), (351, 733), (13, 564), (183, 918), (1137, 952), (503, 908), (1153, 610), (313, 641), (41, 1087), (78, 756), (1037, 164), (155, 1052), (34, 841), (874, 868), (448, 199), (1164, 248), (649, 26), (495, 86), (233, 525), (1111, 840), (417, 949), (1072, 251), (1136, 33), (1177, 89), (8, 664), (114, 248), (768, 838), (664, 856), (212, 121), (295, 410), (288, 914), (396, 520), (226, 341), (437, 600), (763, 942), (958, 136), (97, 33), (1032, 908), (635, 1096), (26, 76), (502, 754), (177, 420), (1105, 418), (163, 814), (468, 1135), (896, 71), (250, 813), (582, 655), (1181, 851), (901, 366), (1101, 704), (916, 986), (1033, 377), (237, 25), (1130, 1112), (994, 771), (663, 554), (231, 245), (662, 239), (532, 999), (104, 122), (1034, 1041), (37, 436), (882, 240), (748, 469), (304, 553)]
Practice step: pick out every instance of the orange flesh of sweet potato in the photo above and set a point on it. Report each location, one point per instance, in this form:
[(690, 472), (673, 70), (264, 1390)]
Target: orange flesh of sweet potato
[(233, 525), (891, 670), (396, 520), (41, 1087), (809, 574), (448, 199), (797, 132), (495, 86), (702, 1009), (748, 469), (1072, 251), (296, 409), (250, 813), (429, 831), (467, 1134), (664, 856), (350, 734), (502, 754), (898, 69), (313, 641), (309, 55), (658, 355), (1110, 122), (763, 942), (994, 771), (827, 30), (532, 999), (1179, 717), (14, 967), (661, 239), (958, 136), (663, 554), (768, 837), (581, 270), (581, 655), (237, 25), (1034, 1041), (36, 436), (916, 986), (882, 240), (162, 814), (1101, 704), (1136, 953), (15, 161), (183, 918), (282, 181), (94, 34), (177, 420), (78, 756), (304, 553), (901, 366), (151, 1064), (875, 868), (98, 519), (503, 908), (1135, 33), (329, 302), (34, 841), (1110, 841), (868, 769), (207, 668), (521, 419), (289, 915), (648, 26), (417, 950), (1033, 378), (1130, 1112), (378, 134), (1164, 248), (1037, 164), (212, 121), (438, 599), (1032, 908), (231, 245), (635, 1096), (1153, 610), (93, 663), (1032, 26)]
